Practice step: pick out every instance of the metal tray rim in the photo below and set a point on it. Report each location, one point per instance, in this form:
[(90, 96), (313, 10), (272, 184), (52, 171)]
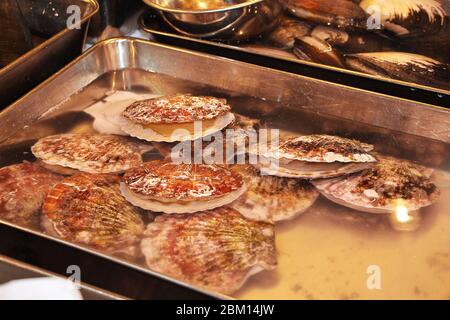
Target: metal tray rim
[(113, 40)]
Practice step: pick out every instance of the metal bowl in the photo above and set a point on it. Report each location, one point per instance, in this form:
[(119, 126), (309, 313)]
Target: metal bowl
[(219, 19)]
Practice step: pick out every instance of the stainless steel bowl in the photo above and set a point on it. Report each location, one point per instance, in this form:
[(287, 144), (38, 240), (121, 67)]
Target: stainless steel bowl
[(219, 19)]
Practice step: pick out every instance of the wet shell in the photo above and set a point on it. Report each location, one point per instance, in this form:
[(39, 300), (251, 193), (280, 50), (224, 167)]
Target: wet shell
[(217, 250), (384, 187), (316, 156), (286, 31), (164, 186), (324, 148), (108, 111), (402, 66), (92, 153), (89, 209), (317, 50), (272, 199), (339, 13), (23, 188), (176, 109), (235, 137)]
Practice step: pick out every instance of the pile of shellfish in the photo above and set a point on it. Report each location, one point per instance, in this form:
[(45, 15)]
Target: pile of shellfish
[(406, 40), (208, 224)]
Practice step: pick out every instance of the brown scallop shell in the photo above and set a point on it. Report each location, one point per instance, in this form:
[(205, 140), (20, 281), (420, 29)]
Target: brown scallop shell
[(241, 126), (89, 209), (217, 250), (389, 183), (271, 198), (165, 180), (23, 188), (323, 148), (92, 153), (176, 109)]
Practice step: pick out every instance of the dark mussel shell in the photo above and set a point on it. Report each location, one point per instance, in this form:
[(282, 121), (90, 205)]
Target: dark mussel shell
[(402, 66)]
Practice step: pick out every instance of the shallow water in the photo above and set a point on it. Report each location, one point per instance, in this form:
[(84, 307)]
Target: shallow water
[(326, 252)]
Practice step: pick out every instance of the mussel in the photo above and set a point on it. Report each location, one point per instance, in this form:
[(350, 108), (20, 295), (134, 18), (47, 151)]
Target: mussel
[(339, 13), (402, 66)]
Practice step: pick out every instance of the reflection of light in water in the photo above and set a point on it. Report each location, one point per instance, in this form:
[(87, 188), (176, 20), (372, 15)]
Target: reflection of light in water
[(402, 214), (404, 220)]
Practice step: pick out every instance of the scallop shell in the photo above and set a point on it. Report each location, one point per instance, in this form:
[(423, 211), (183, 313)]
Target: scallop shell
[(272, 199), (316, 156), (381, 189), (217, 250), (162, 185), (92, 153), (23, 188), (323, 148), (235, 134), (176, 109), (88, 209), (108, 111)]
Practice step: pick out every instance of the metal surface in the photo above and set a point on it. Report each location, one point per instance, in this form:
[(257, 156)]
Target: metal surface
[(396, 126), (112, 14), (11, 269), (152, 24), (225, 20), (26, 72)]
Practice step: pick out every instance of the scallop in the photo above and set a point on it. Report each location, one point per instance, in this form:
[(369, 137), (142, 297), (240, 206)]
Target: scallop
[(23, 188), (165, 186), (391, 185), (272, 199), (181, 117), (92, 153), (216, 250), (219, 148), (88, 209), (316, 156)]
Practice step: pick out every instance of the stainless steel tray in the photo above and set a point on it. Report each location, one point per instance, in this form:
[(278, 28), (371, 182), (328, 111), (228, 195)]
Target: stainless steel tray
[(26, 72), (291, 102), (282, 60), (11, 269)]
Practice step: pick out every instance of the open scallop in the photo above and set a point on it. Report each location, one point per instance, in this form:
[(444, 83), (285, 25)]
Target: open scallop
[(164, 186), (93, 153), (176, 118), (272, 199), (107, 112), (389, 186), (316, 156), (217, 250)]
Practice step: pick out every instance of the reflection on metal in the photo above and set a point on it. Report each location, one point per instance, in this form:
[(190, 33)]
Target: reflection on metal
[(230, 20)]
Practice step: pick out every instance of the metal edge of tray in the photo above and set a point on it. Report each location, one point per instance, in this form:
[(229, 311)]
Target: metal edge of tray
[(392, 87), (13, 118), (27, 71), (429, 120), (25, 271)]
